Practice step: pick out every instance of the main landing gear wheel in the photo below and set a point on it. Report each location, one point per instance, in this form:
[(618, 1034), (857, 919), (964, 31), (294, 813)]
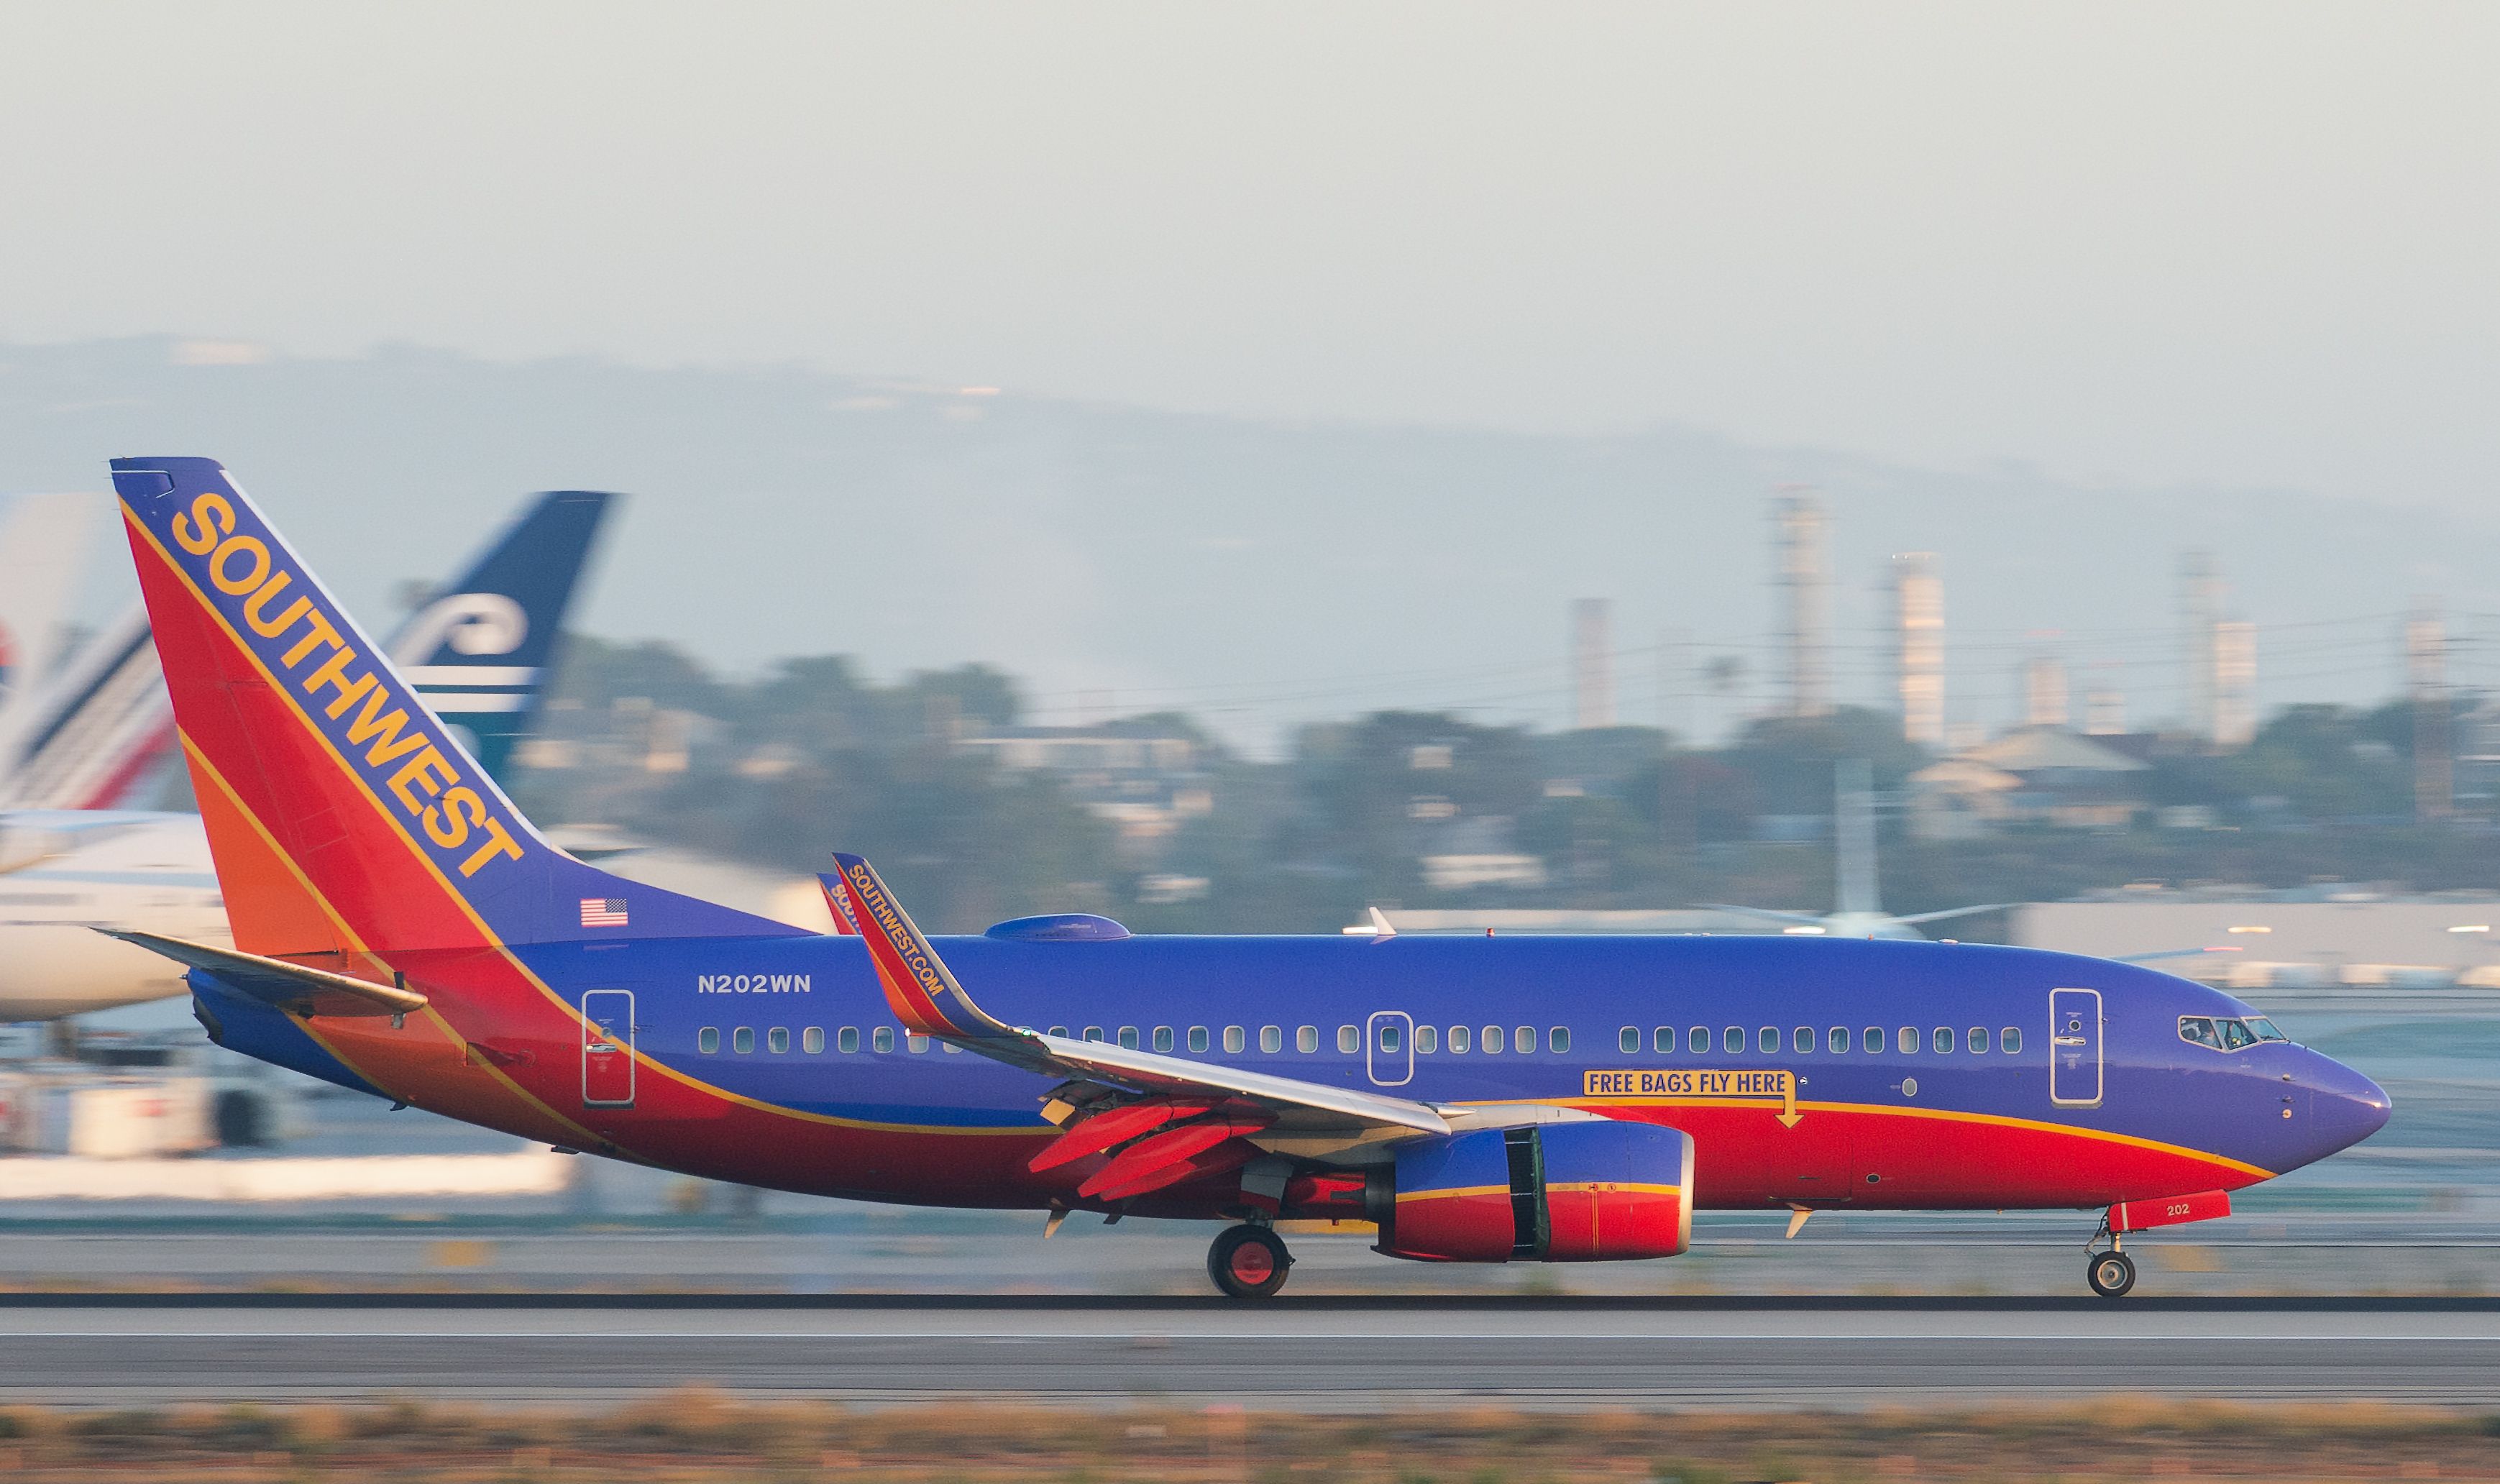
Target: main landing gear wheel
[(1248, 1262), (2111, 1273)]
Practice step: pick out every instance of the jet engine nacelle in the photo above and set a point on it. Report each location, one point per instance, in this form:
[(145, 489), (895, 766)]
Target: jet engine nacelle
[(1590, 1191)]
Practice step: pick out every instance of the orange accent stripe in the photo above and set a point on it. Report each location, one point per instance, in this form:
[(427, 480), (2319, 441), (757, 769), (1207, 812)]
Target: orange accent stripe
[(1948, 1116), (1453, 1192)]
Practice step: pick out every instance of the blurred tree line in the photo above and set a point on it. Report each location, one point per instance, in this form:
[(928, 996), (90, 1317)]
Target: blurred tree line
[(781, 769)]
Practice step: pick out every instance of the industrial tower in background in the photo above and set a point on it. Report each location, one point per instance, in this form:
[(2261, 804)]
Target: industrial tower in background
[(2217, 659), (2427, 681), (1593, 664), (1805, 600), (1919, 647)]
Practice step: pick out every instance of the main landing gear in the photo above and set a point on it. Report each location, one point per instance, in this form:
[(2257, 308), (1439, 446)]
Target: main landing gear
[(1248, 1262)]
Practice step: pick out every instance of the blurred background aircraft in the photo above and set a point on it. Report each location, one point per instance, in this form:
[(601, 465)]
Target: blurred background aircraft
[(98, 730)]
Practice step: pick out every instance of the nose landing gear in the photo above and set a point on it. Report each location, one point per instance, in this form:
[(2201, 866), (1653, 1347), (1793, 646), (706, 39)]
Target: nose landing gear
[(2111, 1273), (1248, 1262)]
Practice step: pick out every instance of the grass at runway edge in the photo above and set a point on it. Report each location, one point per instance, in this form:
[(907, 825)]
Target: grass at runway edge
[(697, 1435)]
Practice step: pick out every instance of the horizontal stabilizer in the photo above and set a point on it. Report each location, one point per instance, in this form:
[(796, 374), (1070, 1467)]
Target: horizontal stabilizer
[(290, 987)]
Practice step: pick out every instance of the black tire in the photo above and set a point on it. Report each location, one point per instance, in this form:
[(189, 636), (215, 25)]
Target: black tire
[(1248, 1263), (2111, 1273)]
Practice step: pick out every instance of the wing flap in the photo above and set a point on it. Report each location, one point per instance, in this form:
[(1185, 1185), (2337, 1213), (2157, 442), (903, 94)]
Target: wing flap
[(292, 987)]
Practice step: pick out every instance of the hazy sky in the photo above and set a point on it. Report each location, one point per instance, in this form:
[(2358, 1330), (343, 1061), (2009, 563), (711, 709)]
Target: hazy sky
[(2246, 245)]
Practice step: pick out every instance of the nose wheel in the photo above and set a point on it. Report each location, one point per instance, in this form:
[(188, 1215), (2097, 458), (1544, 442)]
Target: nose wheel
[(1248, 1262), (2111, 1273)]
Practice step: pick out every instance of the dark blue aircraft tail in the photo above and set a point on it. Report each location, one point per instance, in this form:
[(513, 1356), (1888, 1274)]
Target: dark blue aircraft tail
[(479, 649)]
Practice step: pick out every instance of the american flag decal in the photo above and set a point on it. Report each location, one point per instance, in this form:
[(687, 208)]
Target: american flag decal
[(602, 911)]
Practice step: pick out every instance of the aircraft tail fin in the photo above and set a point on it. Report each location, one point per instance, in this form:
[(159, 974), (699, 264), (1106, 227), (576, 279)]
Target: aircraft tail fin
[(43, 539), (479, 649), (91, 735), (343, 817)]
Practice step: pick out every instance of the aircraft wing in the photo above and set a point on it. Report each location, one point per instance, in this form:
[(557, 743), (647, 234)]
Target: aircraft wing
[(2154, 958), (1766, 914), (929, 1003), (294, 987), (1956, 912)]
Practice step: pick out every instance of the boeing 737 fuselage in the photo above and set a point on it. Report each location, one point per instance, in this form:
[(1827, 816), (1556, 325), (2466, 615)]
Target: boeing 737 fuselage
[(398, 928)]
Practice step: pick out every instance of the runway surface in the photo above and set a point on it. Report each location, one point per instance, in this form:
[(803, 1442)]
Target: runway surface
[(1713, 1353)]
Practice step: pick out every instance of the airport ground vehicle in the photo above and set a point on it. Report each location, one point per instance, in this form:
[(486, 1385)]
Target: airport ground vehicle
[(398, 927)]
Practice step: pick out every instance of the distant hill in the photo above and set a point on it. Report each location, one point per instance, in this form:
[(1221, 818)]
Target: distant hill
[(1258, 573)]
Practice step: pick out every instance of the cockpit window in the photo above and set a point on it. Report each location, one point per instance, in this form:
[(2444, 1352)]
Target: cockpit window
[(2225, 1032)]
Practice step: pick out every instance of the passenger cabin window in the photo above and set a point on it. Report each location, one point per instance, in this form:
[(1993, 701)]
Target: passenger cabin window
[(1162, 1037), (1699, 1042), (1766, 1041), (779, 1038), (1235, 1039), (1460, 1039), (1944, 1041), (1733, 1039), (1523, 1040), (1093, 1033), (2009, 1041), (1493, 1039), (1801, 1040), (1306, 1039), (1391, 1037), (847, 1040), (1128, 1037), (708, 1041), (1874, 1040), (1349, 1039), (1198, 1038), (812, 1040), (1427, 1040), (1628, 1039), (1557, 1039), (742, 1039), (1662, 1041), (1272, 1039), (882, 1039), (914, 1042), (1909, 1042), (1838, 1040), (1978, 1040)]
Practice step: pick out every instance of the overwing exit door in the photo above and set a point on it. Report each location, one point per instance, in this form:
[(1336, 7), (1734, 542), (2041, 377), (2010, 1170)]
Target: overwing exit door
[(607, 1048), (1388, 1048), (2075, 1047)]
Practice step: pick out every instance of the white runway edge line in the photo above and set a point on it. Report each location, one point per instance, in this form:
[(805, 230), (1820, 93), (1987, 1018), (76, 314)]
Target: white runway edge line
[(525, 1172)]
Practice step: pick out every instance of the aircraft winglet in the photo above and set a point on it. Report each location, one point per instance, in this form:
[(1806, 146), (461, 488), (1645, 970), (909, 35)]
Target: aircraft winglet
[(925, 997)]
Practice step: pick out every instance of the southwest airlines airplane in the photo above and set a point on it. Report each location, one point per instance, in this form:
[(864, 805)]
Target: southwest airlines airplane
[(399, 928), (70, 860)]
